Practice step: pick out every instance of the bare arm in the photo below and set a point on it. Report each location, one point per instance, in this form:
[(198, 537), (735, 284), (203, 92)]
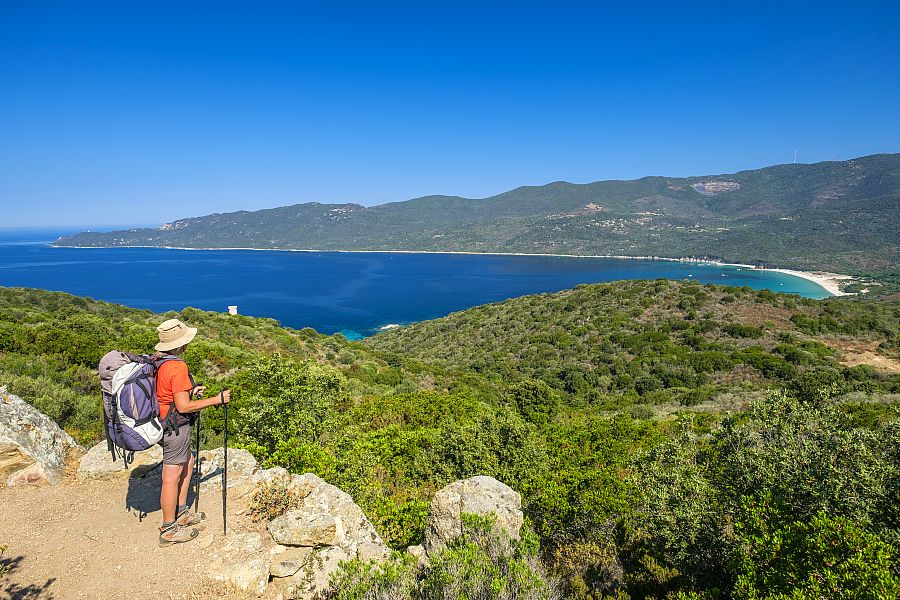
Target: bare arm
[(185, 405)]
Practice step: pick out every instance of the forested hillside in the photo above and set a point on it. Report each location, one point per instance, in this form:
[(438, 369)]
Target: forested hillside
[(839, 216), (668, 439)]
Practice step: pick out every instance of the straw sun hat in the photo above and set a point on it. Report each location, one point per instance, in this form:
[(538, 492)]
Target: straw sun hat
[(174, 334)]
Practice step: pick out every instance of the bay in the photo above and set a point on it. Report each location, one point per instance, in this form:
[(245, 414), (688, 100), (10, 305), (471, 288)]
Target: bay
[(354, 293)]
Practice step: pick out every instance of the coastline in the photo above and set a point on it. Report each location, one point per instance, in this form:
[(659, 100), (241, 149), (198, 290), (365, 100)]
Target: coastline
[(830, 282)]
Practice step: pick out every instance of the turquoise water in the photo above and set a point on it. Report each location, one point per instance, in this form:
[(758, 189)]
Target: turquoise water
[(352, 293)]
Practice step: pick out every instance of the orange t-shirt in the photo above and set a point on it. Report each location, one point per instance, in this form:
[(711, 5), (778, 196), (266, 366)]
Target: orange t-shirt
[(171, 377)]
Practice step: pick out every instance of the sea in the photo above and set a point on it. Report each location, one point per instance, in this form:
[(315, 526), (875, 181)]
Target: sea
[(356, 294)]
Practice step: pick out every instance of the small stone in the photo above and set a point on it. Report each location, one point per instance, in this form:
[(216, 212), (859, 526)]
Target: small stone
[(372, 551), (241, 464), (32, 474), (418, 552), (267, 475)]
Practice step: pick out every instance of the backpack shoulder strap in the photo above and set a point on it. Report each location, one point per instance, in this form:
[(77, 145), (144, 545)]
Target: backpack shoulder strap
[(170, 421)]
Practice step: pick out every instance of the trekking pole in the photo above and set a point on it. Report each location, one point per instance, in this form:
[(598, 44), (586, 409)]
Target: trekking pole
[(225, 468), (197, 468)]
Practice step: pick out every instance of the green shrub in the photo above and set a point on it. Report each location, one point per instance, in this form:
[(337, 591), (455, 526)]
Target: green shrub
[(395, 579), (825, 557), (481, 563), (535, 400), (272, 499), (739, 330), (796, 461)]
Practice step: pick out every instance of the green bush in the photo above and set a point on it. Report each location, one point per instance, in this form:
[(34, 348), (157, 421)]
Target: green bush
[(535, 400), (739, 330), (272, 499), (480, 563), (795, 460), (824, 557)]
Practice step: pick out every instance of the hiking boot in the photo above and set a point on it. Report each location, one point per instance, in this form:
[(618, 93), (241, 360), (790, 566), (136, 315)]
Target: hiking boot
[(192, 519), (176, 534)]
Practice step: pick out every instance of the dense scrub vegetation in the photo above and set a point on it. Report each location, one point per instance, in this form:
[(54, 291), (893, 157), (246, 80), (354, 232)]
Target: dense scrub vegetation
[(50, 344), (604, 406), (656, 343)]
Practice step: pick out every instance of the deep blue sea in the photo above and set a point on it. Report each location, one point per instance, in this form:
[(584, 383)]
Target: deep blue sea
[(352, 293)]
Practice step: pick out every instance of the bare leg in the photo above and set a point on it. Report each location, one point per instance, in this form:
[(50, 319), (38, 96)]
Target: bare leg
[(184, 481), (168, 496)]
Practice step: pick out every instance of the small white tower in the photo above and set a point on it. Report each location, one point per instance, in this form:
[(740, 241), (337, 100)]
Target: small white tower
[(232, 310)]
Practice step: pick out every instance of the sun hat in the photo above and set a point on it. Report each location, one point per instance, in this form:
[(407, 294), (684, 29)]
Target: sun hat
[(174, 334)]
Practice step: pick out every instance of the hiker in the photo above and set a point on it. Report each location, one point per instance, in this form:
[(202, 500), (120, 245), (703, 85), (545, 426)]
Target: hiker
[(175, 390)]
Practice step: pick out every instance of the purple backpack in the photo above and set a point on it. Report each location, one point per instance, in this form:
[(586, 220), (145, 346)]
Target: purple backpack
[(130, 407)]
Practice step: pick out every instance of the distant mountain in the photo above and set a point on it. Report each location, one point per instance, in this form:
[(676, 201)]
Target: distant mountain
[(840, 215)]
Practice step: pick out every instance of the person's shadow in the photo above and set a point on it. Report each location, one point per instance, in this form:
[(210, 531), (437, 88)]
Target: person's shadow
[(144, 486)]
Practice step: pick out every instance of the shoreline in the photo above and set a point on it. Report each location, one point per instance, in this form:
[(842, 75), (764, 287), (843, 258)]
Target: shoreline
[(830, 282)]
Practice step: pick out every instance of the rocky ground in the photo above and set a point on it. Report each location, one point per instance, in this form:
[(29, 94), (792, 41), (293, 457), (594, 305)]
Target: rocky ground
[(76, 524), (91, 537), (82, 540)]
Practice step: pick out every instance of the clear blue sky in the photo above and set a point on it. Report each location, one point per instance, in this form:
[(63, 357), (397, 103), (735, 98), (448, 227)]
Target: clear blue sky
[(180, 111)]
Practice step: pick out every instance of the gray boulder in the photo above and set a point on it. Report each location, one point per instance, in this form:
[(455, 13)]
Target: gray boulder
[(33, 449), (479, 495), (97, 463), (241, 561), (311, 581), (327, 517), (288, 562), (298, 528), (241, 467)]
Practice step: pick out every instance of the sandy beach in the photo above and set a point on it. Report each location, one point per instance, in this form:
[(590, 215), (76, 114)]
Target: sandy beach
[(830, 281)]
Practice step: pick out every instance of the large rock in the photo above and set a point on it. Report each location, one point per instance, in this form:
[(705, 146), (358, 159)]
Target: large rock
[(98, 464), (33, 449), (241, 467), (479, 495), (290, 561), (311, 581), (241, 562), (328, 517), (269, 475), (298, 528)]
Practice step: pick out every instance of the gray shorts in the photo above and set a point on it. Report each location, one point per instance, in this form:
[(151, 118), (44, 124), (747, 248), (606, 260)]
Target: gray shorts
[(176, 448)]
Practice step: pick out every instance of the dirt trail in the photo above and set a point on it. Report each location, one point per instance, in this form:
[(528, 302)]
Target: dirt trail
[(98, 539)]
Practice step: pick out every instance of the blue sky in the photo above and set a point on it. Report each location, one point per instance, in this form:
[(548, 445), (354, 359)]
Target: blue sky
[(163, 110)]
